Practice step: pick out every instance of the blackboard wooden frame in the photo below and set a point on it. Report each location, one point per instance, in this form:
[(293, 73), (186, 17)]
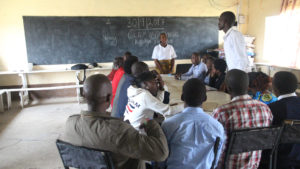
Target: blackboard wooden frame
[(69, 40)]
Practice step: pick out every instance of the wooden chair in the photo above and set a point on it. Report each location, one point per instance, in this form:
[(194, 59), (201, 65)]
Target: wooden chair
[(82, 157)]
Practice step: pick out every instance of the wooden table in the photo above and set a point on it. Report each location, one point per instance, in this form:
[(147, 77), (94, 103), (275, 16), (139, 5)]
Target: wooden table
[(214, 98)]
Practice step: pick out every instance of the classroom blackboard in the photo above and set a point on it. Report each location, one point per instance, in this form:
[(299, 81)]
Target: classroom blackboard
[(68, 40)]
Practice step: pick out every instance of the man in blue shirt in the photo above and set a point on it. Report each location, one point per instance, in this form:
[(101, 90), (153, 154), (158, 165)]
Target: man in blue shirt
[(192, 134), (197, 70)]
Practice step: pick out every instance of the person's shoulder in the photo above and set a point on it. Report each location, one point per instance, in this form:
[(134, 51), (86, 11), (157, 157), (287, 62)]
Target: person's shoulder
[(170, 46), (175, 119), (235, 31), (156, 46), (73, 117), (224, 107)]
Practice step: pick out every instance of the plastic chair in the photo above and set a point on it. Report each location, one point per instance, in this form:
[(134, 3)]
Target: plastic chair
[(182, 68), (289, 135), (82, 157), (246, 140)]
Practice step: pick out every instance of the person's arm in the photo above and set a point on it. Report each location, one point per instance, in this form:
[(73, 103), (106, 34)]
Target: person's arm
[(172, 65), (156, 105), (173, 56), (151, 147), (187, 75)]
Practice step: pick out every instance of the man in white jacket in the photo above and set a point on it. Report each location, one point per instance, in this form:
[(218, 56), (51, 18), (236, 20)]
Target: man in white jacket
[(143, 101)]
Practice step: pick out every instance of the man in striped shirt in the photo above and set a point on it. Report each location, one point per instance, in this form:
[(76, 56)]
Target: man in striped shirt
[(242, 112)]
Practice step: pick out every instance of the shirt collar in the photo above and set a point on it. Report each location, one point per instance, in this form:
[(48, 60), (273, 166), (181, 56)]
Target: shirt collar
[(162, 46), (193, 109), (227, 33), (242, 97), (94, 114), (286, 95)]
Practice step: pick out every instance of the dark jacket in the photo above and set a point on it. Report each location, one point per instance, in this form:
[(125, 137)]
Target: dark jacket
[(123, 98), (217, 81)]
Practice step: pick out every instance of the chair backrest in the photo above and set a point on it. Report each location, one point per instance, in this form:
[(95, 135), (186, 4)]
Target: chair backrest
[(182, 68), (82, 157), (246, 140), (290, 135), (291, 132), (216, 148)]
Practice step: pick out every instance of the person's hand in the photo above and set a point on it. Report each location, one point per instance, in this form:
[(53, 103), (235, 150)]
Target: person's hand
[(158, 80), (178, 76), (144, 123)]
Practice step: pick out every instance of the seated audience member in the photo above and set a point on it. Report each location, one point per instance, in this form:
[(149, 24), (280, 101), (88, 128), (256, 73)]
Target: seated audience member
[(209, 64), (287, 107), (242, 112), (143, 101), (217, 75), (197, 70), (122, 98), (259, 83), (204, 57), (115, 82), (192, 133), (96, 129), (118, 62), (126, 55)]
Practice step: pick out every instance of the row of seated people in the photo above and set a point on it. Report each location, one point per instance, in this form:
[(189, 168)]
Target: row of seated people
[(186, 139)]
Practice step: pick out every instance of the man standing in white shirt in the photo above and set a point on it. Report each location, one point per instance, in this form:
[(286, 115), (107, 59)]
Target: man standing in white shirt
[(164, 56), (234, 44)]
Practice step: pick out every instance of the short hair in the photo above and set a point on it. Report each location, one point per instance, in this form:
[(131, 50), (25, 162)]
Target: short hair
[(193, 92), (127, 53), (229, 17), (220, 65), (196, 54), (118, 62), (211, 58), (146, 76), (259, 81), (163, 33), (128, 63), (285, 82), (237, 81), (138, 68)]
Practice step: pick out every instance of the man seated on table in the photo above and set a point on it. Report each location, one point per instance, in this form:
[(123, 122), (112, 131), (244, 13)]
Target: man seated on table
[(287, 107), (95, 128), (197, 70), (192, 133), (242, 112)]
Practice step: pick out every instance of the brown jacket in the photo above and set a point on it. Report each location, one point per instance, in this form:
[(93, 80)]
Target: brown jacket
[(128, 147)]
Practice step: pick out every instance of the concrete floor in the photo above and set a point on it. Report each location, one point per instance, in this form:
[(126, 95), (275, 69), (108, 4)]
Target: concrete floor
[(27, 136)]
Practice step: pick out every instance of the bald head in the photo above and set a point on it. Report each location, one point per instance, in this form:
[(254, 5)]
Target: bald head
[(139, 68), (237, 82), (97, 91)]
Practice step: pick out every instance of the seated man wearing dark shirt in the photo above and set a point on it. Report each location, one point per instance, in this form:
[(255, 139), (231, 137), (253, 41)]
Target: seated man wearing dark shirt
[(287, 107), (217, 76)]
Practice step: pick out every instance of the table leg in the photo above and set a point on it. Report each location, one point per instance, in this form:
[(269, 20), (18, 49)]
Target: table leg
[(1, 103), (8, 95), (25, 95)]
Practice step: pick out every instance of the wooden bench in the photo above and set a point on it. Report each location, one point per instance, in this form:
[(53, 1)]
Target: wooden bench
[(21, 90)]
